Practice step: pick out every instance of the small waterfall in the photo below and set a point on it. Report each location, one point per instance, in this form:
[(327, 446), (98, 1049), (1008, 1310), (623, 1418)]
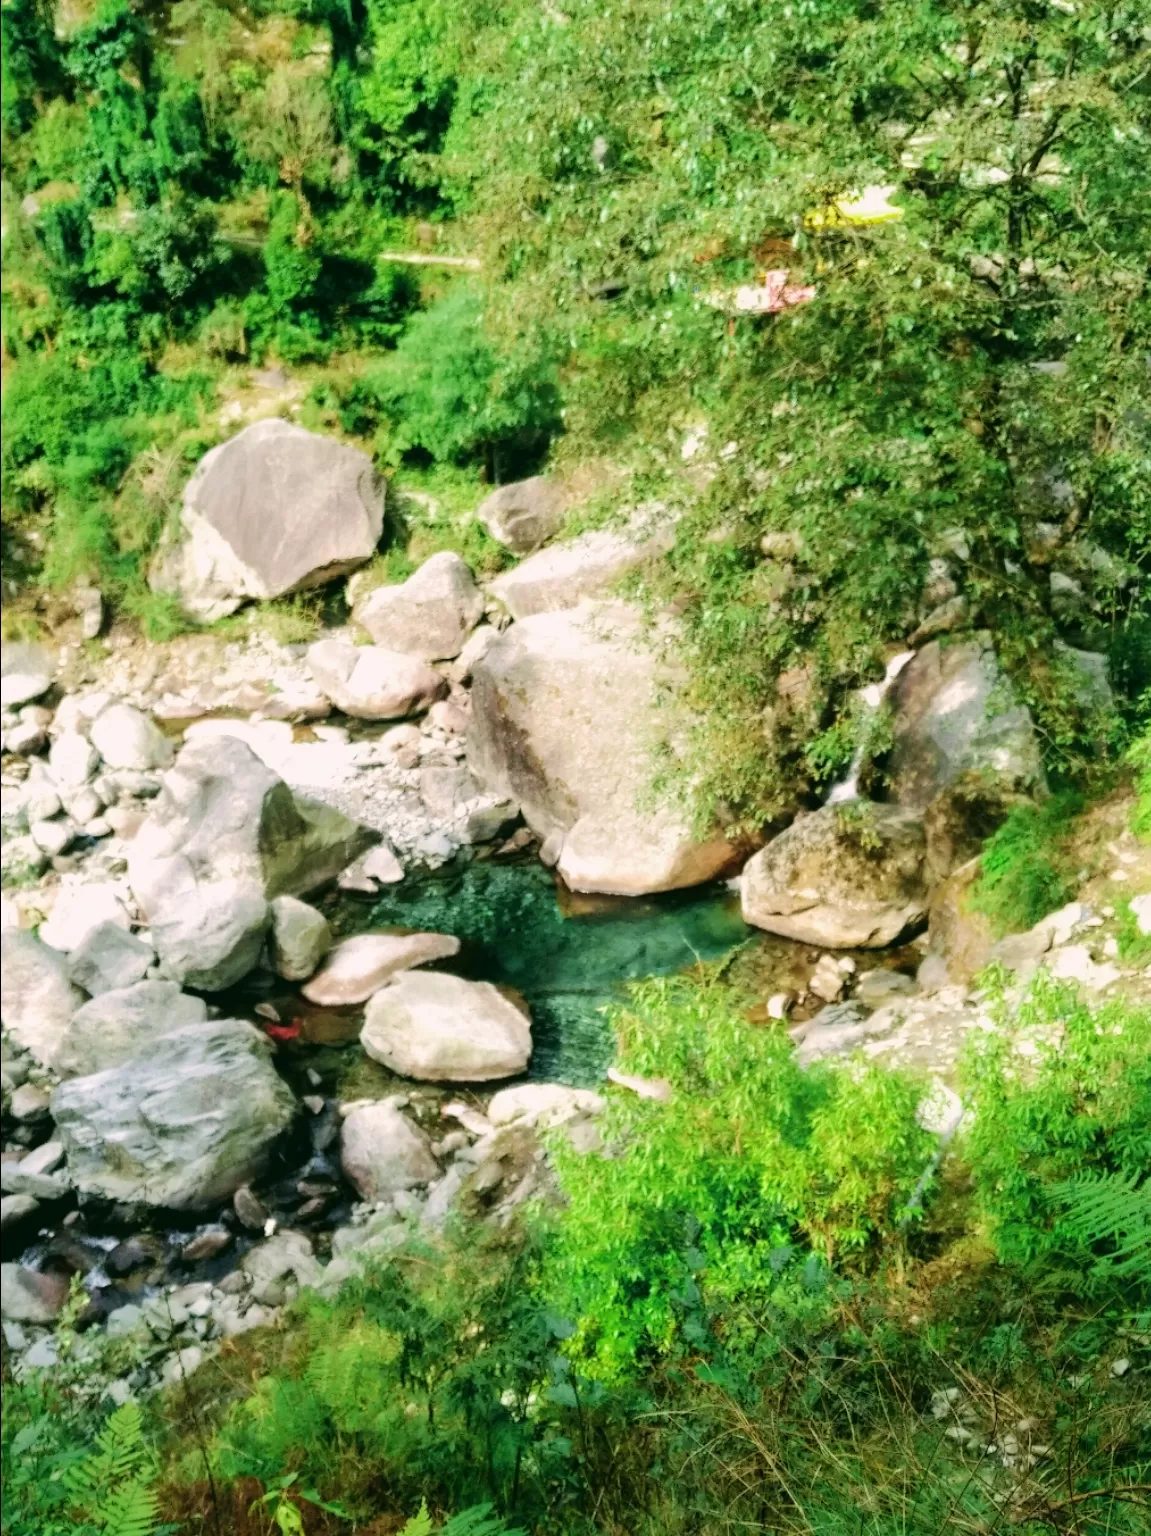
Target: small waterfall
[(871, 698)]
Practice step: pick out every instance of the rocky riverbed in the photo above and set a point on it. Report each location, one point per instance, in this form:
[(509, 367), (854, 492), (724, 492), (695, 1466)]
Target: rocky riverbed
[(306, 946)]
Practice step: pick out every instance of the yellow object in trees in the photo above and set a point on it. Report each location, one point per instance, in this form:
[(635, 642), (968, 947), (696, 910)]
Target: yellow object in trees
[(871, 206)]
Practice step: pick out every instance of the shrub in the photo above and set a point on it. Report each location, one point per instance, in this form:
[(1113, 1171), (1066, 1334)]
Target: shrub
[(1024, 872), (750, 1156), (1077, 1105)]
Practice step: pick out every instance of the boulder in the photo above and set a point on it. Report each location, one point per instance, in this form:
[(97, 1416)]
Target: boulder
[(26, 672), (566, 722), (371, 683), (128, 738), (300, 938), (182, 1128), (274, 510), (27, 1296), (563, 575), (846, 876), (108, 958), (224, 837), (79, 909), (72, 760), (127, 1022), (952, 716), (524, 515), (37, 997), (430, 615), (959, 939), (361, 965), (279, 1267), (382, 1152), (439, 1028)]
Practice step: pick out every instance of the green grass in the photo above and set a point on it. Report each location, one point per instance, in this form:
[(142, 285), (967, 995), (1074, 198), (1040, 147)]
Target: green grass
[(1024, 868)]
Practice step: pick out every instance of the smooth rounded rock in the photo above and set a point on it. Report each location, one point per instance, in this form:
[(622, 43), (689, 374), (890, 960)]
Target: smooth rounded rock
[(361, 965), (372, 683), (26, 671), (37, 997), (439, 1028), (381, 1151), (108, 958), (127, 738)]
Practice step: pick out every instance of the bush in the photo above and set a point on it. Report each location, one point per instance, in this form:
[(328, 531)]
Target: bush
[(449, 393), (1024, 871), (1077, 1106), (713, 1189)]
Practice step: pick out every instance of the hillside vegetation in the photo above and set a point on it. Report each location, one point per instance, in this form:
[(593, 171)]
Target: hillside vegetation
[(947, 407)]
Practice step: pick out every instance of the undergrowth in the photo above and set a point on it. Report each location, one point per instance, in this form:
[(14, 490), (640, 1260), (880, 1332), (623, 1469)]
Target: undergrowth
[(1025, 872)]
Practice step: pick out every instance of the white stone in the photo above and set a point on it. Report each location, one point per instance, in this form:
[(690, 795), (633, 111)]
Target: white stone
[(381, 1151), (73, 760), (361, 965), (127, 738), (440, 1028), (542, 1103), (372, 683), (79, 908)]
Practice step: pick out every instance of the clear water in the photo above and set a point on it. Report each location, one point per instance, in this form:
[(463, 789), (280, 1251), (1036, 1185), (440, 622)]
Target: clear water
[(568, 955)]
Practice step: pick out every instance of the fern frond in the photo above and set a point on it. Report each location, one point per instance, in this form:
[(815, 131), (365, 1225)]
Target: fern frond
[(421, 1522), (1111, 1209), (129, 1510)]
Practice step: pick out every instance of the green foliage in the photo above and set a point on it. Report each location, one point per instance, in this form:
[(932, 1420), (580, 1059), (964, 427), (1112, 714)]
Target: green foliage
[(1024, 872), (1077, 1106), (1112, 1211), (114, 1484), (469, 1522), (1134, 944), (448, 393), (750, 1156), (1139, 757)]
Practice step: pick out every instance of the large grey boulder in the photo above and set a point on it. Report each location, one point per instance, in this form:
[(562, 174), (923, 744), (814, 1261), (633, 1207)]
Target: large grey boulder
[(953, 717), (430, 615), (125, 737), (565, 574), (372, 683), (225, 836), (567, 722), (273, 510), (362, 964), (37, 997), (181, 1128), (108, 958), (847, 876), (524, 515), (442, 1029), (381, 1151), (118, 1025), (26, 672)]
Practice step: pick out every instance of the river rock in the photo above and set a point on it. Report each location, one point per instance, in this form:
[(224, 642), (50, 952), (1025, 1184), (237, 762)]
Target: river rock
[(224, 837), (566, 722), (524, 515), (72, 760), (279, 1267), (430, 615), (843, 877), (108, 958), (127, 738), (27, 1296), (362, 964), (299, 939), (952, 715), (563, 575), (545, 1104), (16, 1209), (439, 1028), (26, 672), (37, 997), (371, 683), (79, 909), (274, 510), (381, 1152), (123, 1023), (959, 939), (182, 1128)]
